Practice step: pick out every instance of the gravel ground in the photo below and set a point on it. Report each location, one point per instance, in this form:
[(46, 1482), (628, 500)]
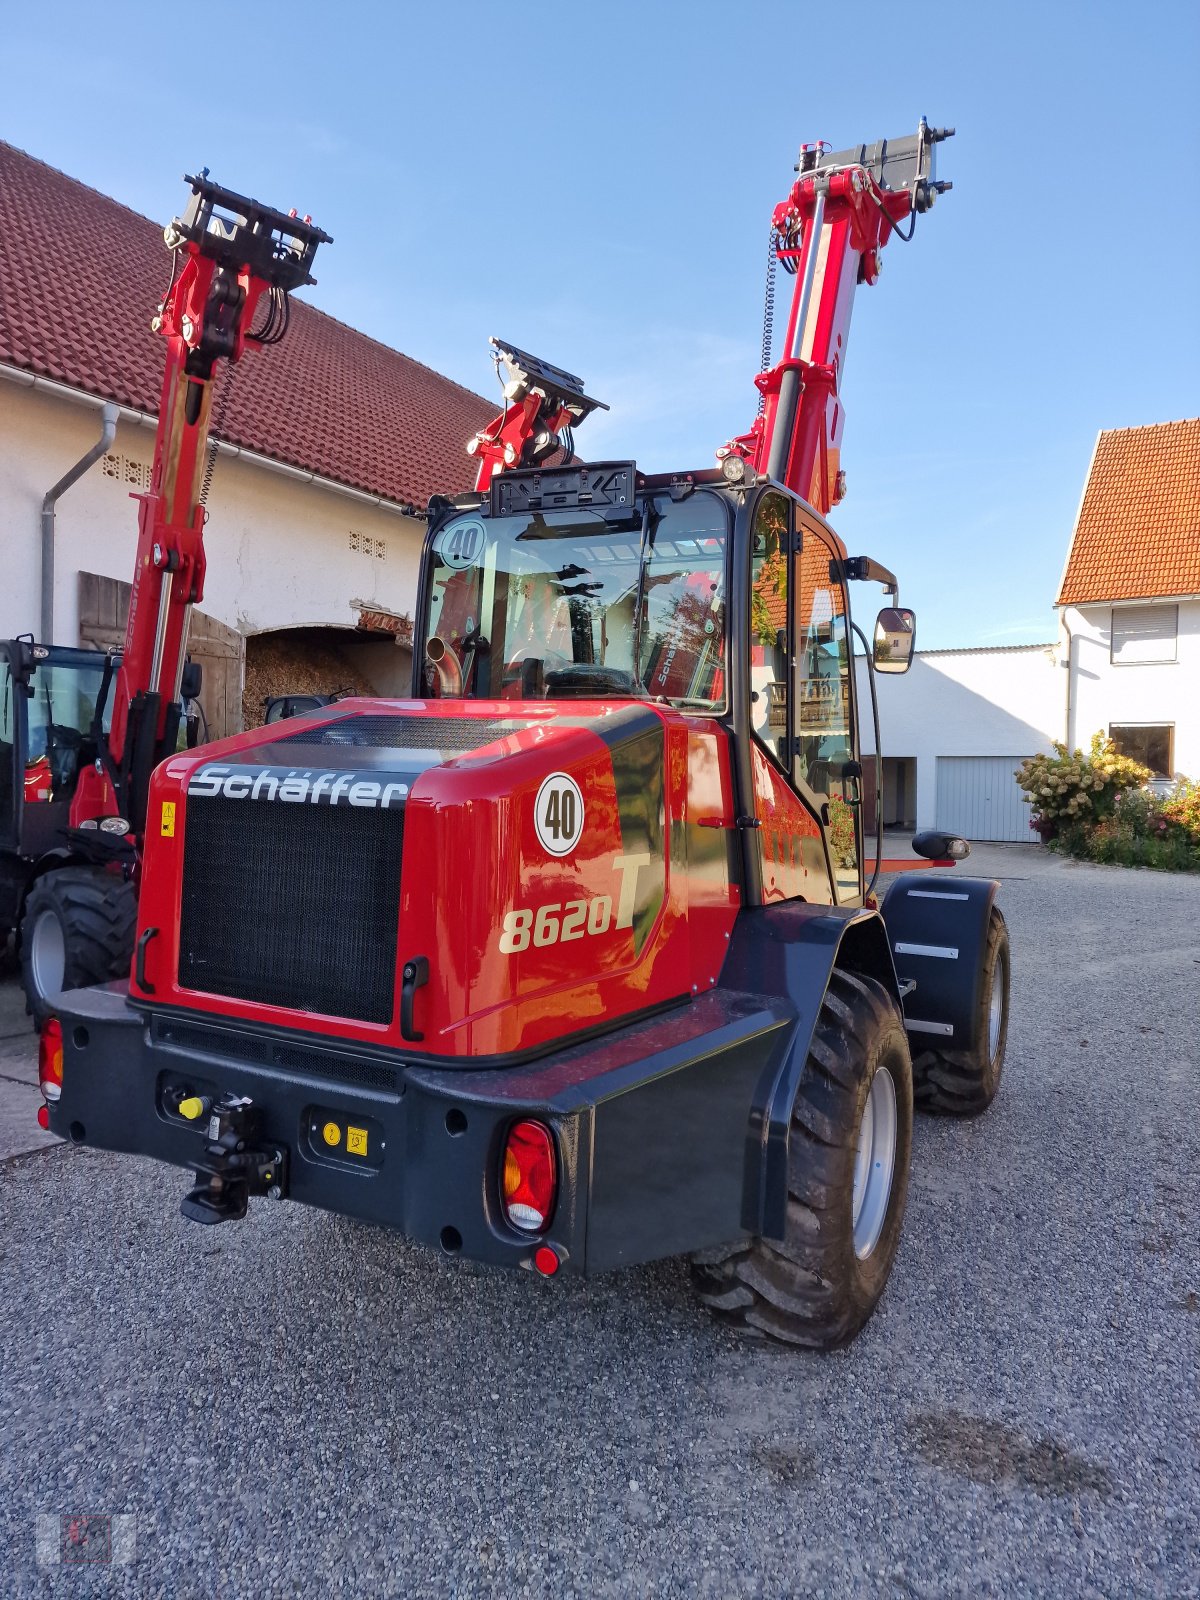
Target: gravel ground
[(306, 1406)]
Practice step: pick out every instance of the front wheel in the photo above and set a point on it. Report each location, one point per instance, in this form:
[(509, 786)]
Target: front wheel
[(848, 1163), (77, 928)]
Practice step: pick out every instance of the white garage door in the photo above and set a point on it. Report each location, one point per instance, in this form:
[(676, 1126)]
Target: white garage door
[(978, 797)]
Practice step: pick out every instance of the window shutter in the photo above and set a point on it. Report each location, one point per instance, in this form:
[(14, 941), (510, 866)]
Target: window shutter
[(1144, 633)]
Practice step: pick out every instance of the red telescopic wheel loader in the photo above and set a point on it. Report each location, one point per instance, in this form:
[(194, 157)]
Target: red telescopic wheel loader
[(570, 960)]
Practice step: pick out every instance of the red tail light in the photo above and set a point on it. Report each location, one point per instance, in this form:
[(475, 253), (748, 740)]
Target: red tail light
[(50, 1058), (529, 1180)]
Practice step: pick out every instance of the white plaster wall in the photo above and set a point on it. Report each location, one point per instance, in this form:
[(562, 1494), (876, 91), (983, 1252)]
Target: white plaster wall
[(278, 551), (965, 703), (1155, 692)]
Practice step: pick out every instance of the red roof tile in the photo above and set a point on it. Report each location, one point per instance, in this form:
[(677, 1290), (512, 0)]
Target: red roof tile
[(1138, 533), (80, 276)]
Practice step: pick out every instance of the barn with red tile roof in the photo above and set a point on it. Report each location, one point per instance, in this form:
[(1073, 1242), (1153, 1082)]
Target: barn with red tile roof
[(331, 445)]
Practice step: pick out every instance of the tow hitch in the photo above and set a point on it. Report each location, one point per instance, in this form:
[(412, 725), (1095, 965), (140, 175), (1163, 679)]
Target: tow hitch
[(235, 1165)]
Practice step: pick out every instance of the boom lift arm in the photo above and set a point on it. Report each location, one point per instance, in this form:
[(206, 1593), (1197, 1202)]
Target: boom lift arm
[(829, 233), (542, 405), (237, 256)]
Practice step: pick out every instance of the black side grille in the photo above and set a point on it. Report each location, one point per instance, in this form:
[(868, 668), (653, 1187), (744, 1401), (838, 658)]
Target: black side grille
[(292, 905), (409, 733), (269, 1052)]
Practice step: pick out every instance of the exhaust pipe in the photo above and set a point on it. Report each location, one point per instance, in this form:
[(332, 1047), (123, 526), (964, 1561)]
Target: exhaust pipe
[(445, 663)]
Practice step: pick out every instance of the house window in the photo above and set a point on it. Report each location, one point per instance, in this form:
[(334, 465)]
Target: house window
[(1144, 633), (1151, 744)]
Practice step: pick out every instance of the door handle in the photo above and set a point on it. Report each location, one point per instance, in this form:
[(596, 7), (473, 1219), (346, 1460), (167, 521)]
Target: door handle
[(140, 965), (415, 976)]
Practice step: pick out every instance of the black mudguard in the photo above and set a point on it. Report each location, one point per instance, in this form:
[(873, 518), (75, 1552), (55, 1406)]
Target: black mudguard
[(789, 951), (937, 928)]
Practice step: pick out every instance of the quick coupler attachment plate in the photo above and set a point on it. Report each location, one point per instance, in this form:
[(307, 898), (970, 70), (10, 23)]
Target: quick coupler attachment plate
[(236, 1163)]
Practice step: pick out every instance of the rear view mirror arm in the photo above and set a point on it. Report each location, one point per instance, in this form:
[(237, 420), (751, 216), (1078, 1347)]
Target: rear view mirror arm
[(867, 570)]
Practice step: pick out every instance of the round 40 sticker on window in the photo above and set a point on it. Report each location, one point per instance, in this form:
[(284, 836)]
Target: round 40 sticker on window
[(558, 814), (461, 544)]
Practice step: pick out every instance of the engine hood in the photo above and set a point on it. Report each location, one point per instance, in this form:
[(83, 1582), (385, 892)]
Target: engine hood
[(535, 859), (371, 754)]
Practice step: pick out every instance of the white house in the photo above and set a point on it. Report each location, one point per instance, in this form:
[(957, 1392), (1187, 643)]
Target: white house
[(1129, 601), (330, 445), (954, 729)]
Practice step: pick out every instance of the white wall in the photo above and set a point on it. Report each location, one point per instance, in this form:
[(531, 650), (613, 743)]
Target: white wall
[(1009, 702), (279, 552), (1153, 692)]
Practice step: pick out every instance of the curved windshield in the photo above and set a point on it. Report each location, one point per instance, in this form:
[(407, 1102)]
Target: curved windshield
[(559, 604)]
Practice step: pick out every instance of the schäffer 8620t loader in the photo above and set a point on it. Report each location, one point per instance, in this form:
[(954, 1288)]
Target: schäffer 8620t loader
[(567, 962)]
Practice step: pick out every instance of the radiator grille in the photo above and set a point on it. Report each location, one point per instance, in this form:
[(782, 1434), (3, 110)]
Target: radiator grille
[(292, 905), (409, 733)]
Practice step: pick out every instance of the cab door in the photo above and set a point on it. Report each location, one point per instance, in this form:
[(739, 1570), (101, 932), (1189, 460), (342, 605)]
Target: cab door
[(789, 836), (825, 759), (10, 741)]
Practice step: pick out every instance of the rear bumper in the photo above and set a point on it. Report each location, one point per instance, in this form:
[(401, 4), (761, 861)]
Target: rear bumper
[(660, 1126)]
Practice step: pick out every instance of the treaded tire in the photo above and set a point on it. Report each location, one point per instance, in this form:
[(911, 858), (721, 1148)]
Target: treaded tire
[(963, 1083), (97, 912), (811, 1288)]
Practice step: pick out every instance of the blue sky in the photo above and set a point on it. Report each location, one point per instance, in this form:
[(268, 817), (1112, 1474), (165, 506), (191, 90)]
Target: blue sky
[(595, 183)]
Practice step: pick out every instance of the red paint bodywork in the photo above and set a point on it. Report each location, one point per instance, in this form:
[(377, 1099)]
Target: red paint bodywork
[(471, 854)]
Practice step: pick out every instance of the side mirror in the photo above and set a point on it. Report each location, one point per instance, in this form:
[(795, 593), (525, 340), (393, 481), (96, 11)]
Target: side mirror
[(895, 637), (940, 846), (191, 680)]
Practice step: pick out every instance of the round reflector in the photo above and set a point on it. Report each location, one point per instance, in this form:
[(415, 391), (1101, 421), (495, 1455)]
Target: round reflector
[(528, 1180)]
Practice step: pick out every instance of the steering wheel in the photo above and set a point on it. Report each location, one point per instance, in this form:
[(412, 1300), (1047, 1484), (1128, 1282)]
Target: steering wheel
[(528, 668)]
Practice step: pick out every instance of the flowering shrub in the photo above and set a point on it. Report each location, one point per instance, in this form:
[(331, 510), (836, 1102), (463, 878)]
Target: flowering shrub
[(1181, 808), (1070, 787), (1095, 807)]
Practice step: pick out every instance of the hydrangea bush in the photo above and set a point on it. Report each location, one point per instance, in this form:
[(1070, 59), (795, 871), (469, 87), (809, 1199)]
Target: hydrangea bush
[(1096, 807), (1069, 787)]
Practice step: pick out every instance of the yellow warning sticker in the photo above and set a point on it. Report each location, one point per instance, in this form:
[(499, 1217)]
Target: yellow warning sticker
[(168, 819), (356, 1141), (332, 1133)]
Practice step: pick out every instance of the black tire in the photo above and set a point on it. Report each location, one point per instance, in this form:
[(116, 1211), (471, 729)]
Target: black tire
[(97, 915), (811, 1288), (963, 1083)]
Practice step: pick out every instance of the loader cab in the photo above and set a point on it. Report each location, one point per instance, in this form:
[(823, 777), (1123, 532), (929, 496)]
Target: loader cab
[(48, 697), (719, 602)]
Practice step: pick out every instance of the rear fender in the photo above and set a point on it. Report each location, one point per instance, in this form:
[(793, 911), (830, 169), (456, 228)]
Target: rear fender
[(937, 930), (790, 951)]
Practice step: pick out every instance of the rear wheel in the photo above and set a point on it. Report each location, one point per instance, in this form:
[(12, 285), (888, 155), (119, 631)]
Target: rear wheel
[(962, 1083), (77, 928), (851, 1143)]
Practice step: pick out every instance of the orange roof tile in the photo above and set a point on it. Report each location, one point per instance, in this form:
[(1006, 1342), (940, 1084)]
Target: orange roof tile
[(1138, 531), (81, 274)]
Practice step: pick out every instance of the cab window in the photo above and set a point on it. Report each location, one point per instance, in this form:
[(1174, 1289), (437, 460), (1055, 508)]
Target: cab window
[(824, 710), (769, 625)]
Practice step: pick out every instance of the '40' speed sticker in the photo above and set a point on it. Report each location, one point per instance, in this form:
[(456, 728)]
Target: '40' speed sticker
[(558, 814)]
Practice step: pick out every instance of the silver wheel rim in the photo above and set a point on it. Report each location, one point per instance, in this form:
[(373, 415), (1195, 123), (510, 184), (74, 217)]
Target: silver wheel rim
[(874, 1163), (995, 1010), (48, 955)]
